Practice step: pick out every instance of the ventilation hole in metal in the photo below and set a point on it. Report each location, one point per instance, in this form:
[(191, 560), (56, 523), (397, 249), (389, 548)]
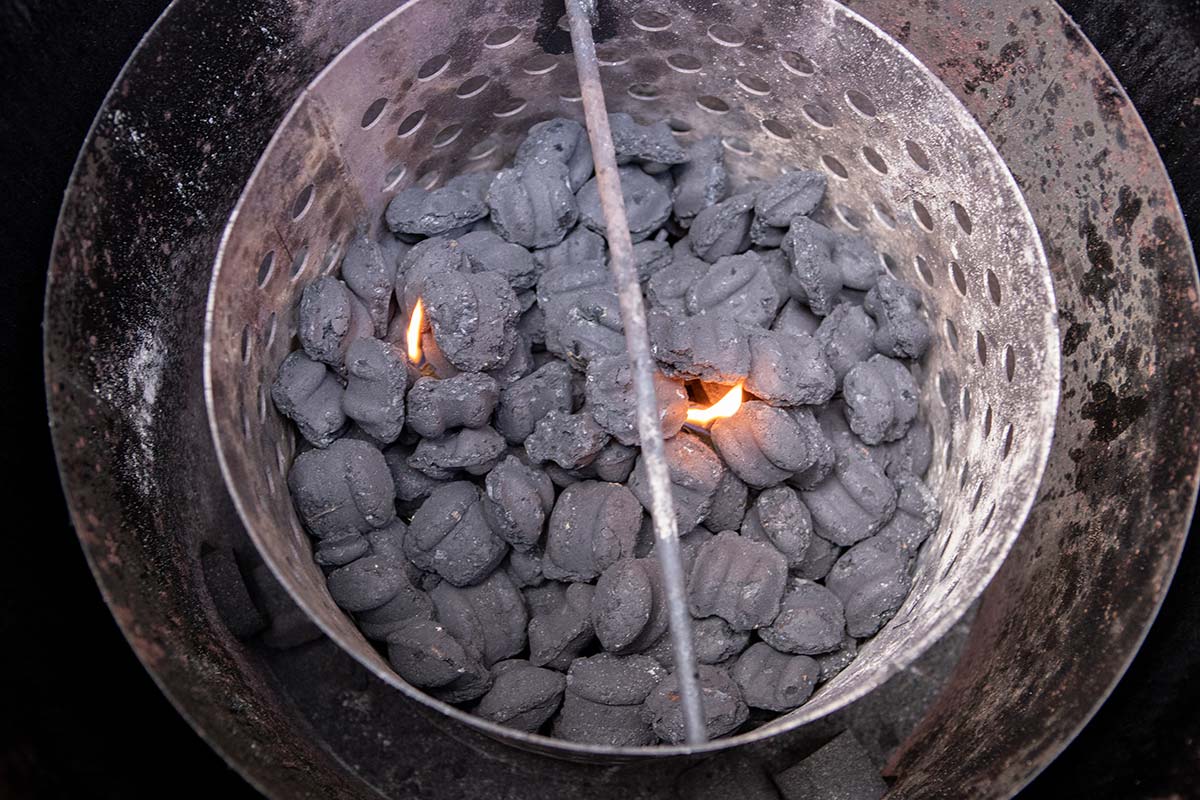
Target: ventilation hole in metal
[(371, 115), (264, 268), (797, 63), (874, 160), (472, 86), (917, 154), (987, 422), (643, 91), (501, 37), (961, 217), (302, 201), (981, 348), (651, 20), (410, 124), (777, 129), (433, 67), (993, 286), (753, 84), (447, 135), (1010, 362), (924, 271), (726, 35), (246, 345), (861, 103), (921, 215), (835, 167), (712, 104), (884, 214), (960, 279), (510, 107), (1006, 447), (539, 64), (393, 177), (818, 115), (951, 334), (683, 62)]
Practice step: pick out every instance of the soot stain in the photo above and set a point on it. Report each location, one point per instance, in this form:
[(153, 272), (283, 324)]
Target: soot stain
[(1111, 414), (1099, 281)]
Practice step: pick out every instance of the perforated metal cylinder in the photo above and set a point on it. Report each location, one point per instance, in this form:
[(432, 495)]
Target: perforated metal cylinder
[(436, 88)]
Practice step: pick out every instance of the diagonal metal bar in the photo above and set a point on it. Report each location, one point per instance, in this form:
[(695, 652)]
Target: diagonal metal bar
[(637, 342)]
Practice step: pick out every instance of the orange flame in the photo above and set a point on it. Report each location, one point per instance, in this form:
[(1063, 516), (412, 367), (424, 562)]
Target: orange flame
[(727, 406), (413, 336)]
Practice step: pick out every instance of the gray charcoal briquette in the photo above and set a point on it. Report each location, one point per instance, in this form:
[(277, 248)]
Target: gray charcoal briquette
[(522, 696), (475, 450), (426, 655), (650, 256), (519, 364), (569, 440), (722, 229), (707, 348), (448, 535), (837, 660), (488, 252), (900, 331), (557, 635), (517, 500), (579, 247), (629, 608), (422, 212), (773, 680), (795, 318), (789, 369), (847, 336), (724, 708), (695, 471), (376, 378), (647, 204), (614, 680), (736, 286), (715, 641), (791, 195), (667, 288), (473, 185), (816, 280), (739, 580), (858, 261), (818, 559), (562, 140), (652, 144), (586, 722), (779, 518), (589, 329), (701, 181), (612, 399), (811, 620), (473, 318), (466, 400), (854, 501), (345, 487), (411, 484), (533, 205), (764, 445), (911, 453), (308, 393), (330, 318), (779, 268), (369, 271), (375, 577), (871, 579), (526, 401), (337, 551), (426, 259), (880, 399), (525, 567), (917, 514), (488, 617), (593, 526), (728, 507)]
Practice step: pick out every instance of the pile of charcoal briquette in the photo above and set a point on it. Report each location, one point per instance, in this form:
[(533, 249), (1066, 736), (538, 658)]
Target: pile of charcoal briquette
[(482, 513)]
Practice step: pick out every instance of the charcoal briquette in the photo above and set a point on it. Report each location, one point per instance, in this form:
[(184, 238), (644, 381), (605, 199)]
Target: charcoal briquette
[(580, 246), (525, 567), (603, 700), (629, 607), (376, 378), (517, 500), (558, 634), (475, 450), (911, 453), (788, 369), (764, 445), (420, 212), (917, 514), (532, 325), (612, 399), (586, 722), (695, 471), (523, 696), (846, 336), (345, 487), (533, 205), (562, 140), (779, 269), (308, 393), (728, 507), (779, 518), (411, 484), (330, 319), (528, 400), (791, 195), (369, 271), (449, 535), (735, 286), (426, 259), (871, 579), (425, 654), (569, 440), (650, 256), (647, 203), (613, 463), (337, 551), (652, 144), (473, 185), (722, 229), (811, 620), (772, 680), (701, 181), (723, 706), (593, 526), (816, 279), (880, 399), (795, 318), (473, 318), (375, 577), (711, 348), (859, 263), (667, 288), (488, 617), (833, 662), (818, 559), (465, 401), (900, 331), (715, 641), (488, 252), (854, 501), (739, 580), (589, 329), (519, 364)]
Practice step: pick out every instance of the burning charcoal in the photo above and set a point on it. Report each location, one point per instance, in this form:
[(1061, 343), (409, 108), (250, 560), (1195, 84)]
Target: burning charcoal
[(795, 318), (559, 634), (695, 472), (668, 287), (376, 379), (522, 696), (426, 259), (525, 567), (569, 440), (345, 487), (411, 484), (629, 608), (517, 501), (858, 262), (793, 194), (728, 503), (519, 364), (419, 212), (525, 402), (650, 256), (475, 450), (562, 140), (779, 518), (871, 579), (370, 273), (646, 143), (815, 278), (612, 400), (847, 336), (738, 580), (707, 348), (427, 656), (473, 317), (912, 453), (449, 536), (331, 317), (702, 181), (466, 401), (487, 252), (647, 203), (723, 229), (738, 287), (593, 525), (896, 307), (810, 621), (581, 246), (834, 662), (788, 369), (881, 399), (604, 698), (339, 551), (533, 205), (724, 709), (773, 680), (306, 392), (854, 501), (917, 514), (818, 559), (487, 617), (764, 445), (589, 329)]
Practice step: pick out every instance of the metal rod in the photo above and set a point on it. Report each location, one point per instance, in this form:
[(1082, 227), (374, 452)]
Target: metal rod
[(637, 342)]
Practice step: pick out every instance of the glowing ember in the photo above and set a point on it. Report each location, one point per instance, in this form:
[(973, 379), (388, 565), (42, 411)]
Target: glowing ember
[(413, 337), (727, 406)]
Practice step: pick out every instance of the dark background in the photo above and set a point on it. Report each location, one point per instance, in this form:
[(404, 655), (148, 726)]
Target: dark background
[(79, 717)]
